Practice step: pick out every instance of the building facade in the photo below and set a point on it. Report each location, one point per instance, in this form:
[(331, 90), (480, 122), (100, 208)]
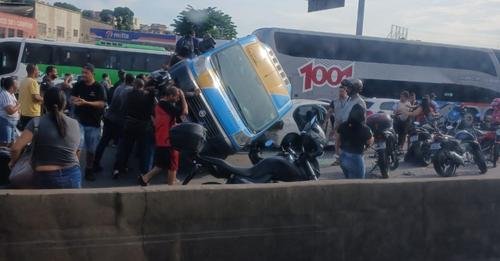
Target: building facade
[(57, 24), (17, 26), (86, 25)]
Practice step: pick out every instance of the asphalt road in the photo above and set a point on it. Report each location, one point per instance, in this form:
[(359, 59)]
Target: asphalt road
[(404, 171)]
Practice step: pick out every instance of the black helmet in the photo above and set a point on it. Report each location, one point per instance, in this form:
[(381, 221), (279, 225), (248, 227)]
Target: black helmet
[(354, 85), (161, 78)]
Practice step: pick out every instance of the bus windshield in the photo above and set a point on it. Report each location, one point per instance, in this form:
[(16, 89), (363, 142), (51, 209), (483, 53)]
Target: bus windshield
[(244, 87), (9, 53)]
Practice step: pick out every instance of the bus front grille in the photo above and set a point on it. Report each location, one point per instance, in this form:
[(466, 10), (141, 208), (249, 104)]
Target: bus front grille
[(199, 113)]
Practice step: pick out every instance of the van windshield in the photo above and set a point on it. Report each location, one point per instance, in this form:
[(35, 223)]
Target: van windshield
[(244, 87)]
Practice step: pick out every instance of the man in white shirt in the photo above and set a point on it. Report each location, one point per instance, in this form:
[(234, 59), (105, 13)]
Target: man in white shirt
[(401, 118)]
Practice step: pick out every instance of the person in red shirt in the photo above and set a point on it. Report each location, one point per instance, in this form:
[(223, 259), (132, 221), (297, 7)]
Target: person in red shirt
[(170, 108)]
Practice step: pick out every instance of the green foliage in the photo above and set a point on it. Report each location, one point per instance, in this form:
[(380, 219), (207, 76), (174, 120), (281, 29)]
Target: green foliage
[(88, 14), (124, 18), (208, 20), (67, 6), (107, 16)]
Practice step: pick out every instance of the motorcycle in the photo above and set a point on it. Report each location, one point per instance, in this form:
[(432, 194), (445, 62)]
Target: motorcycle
[(385, 144), (490, 144), (420, 138), (295, 162), (450, 152), (458, 118)]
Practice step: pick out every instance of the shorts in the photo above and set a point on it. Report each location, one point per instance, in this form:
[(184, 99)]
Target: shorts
[(89, 138), (8, 131), (166, 158)]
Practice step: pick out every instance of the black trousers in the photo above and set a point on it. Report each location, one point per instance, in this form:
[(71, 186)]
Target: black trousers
[(110, 131), (23, 121), (401, 128), (134, 133)]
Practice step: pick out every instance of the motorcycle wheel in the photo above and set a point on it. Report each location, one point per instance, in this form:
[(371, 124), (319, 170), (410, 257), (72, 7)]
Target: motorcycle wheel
[(426, 156), (383, 164), (496, 151), (444, 167), (393, 155), (410, 153), (394, 160), (255, 154), (480, 161), (200, 171)]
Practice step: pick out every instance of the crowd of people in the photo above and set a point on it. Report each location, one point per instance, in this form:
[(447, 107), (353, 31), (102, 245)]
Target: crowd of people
[(60, 121), (352, 137), (408, 110)]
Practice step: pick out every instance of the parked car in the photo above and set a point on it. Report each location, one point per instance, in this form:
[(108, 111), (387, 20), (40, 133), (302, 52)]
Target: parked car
[(296, 119), (376, 105)]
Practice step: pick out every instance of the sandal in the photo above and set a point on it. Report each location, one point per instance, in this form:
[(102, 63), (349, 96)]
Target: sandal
[(140, 180)]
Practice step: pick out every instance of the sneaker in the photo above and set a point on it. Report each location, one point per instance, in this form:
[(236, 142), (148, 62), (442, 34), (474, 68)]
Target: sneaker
[(89, 175), (115, 174), (140, 180)]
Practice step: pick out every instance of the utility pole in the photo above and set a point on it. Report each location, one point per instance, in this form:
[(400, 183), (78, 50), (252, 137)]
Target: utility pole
[(361, 16)]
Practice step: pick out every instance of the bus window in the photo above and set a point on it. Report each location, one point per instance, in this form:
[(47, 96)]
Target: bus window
[(37, 54), (113, 63), (125, 60), (388, 52), (72, 56), (497, 54), (9, 53), (138, 61), (99, 58), (154, 62)]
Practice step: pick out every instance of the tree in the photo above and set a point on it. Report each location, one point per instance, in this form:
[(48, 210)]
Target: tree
[(67, 6), (88, 14), (124, 18), (208, 20), (107, 16)]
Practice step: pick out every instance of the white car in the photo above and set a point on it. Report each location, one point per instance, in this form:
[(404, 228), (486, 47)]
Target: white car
[(295, 119), (376, 105)]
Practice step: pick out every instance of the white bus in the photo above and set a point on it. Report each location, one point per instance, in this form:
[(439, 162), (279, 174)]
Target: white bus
[(15, 53), (317, 62)]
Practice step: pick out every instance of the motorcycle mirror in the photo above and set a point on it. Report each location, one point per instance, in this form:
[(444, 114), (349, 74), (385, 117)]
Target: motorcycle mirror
[(449, 127), (269, 143)]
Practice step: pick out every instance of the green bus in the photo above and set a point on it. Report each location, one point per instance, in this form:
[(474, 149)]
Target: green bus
[(15, 53)]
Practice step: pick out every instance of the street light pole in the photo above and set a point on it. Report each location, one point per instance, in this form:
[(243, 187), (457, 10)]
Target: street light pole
[(361, 15)]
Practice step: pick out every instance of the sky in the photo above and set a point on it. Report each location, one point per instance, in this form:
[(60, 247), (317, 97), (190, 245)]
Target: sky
[(462, 22)]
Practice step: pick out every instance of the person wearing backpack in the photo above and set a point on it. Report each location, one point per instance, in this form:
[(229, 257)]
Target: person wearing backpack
[(189, 43)]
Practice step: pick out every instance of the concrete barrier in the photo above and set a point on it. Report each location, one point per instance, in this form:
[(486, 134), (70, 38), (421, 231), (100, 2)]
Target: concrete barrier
[(452, 219)]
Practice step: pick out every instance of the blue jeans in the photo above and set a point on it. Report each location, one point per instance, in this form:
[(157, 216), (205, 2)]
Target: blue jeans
[(60, 179), (353, 165), (89, 138), (7, 130)]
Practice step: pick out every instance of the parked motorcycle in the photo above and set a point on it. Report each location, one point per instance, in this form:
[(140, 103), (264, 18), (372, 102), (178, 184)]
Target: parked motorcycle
[(294, 163), (385, 143), (420, 139), (489, 140), (450, 152), (458, 118)]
